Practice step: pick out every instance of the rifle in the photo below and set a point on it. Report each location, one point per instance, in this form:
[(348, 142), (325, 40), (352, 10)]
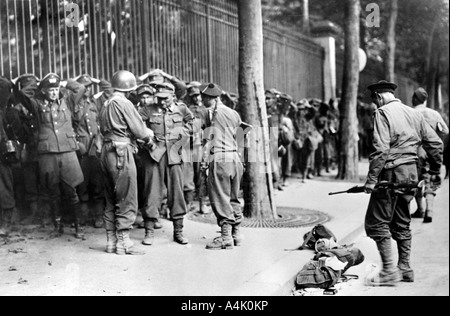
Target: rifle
[(382, 185)]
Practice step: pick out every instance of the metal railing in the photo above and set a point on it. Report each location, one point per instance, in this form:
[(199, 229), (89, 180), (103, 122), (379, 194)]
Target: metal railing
[(194, 40)]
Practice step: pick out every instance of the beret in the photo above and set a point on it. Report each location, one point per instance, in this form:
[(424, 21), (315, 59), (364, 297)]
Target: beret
[(211, 90), (383, 86)]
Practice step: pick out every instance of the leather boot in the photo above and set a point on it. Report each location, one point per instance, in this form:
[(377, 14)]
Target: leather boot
[(428, 218), (158, 224), (225, 241), (149, 226), (99, 208), (111, 241), (236, 234), (178, 232), (124, 244), (34, 218), (59, 228), (389, 274), (79, 233), (204, 209), (404, 255), (5, 221)]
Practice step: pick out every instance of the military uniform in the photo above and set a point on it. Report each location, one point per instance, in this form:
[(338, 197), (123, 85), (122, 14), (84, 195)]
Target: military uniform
[(29, 156), (86, 125), (59, 170), (191, 167), (274, 125), (225, 166), (7, 201), (398, 133), (435, 120), (172, 127), (120, 125)]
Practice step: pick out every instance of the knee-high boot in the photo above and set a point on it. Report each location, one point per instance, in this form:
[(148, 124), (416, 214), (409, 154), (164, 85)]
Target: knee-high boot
[(404, 255)]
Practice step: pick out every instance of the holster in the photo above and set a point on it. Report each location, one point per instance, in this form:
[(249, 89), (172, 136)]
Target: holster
[(121, 151)]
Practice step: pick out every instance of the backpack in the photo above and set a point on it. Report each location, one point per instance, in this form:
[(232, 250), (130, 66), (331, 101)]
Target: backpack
[(318, 232), (312, 275)]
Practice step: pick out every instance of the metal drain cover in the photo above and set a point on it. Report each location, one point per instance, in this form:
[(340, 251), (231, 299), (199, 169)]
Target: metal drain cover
[(289, 217)]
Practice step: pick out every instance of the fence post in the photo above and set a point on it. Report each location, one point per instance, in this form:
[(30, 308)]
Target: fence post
[(209, 39)]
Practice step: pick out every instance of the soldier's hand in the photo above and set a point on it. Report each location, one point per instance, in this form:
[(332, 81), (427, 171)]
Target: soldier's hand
[(369, 187)]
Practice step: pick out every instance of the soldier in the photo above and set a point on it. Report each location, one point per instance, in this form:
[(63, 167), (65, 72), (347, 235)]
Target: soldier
[(59, 170), (225, 167), (286, 135), (7, 201), (171, 123), (398, 133), (147, 100), (435, 120), (120, 123), (29, 154), (191, 168), (274, 124), (85, 118)]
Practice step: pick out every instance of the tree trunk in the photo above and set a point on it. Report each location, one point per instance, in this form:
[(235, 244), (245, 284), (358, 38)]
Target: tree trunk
[(390, 42), (348, 158), (305, 17), (258, 190)]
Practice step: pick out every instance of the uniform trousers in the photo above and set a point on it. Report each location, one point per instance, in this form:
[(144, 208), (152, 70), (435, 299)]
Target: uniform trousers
[(160, 176), (121, 193), (224, 180), (388, 212), (7, 200)]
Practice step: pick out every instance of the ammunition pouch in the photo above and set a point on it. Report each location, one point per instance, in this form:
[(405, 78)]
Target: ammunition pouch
[(121, 152)]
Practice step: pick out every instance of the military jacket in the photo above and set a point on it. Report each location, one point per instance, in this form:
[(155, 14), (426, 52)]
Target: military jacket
[(398, 132), (435, 120), (172, 127), (54, 119), (197, 111), (86, 125), (119, 121)]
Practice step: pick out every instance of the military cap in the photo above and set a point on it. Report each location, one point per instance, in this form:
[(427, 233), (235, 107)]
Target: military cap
[(421, 94), (105, 85), (383, 86), (85, 80), (194, 84), (145, 88), (164, 90), (211, 90), (303, 105), (27, 79), (193, 90), (51, 80), (273, 92), (286, 97)]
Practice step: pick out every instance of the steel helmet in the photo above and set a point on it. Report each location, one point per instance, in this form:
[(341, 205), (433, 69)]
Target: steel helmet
[(123, 81)]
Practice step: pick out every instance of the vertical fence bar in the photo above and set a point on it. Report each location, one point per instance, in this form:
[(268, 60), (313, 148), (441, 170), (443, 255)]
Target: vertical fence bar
[(31, 40), (24, 30), (17, 39), (2, 70), (209, 51), (107, 46), (38, 19), (84, 41)]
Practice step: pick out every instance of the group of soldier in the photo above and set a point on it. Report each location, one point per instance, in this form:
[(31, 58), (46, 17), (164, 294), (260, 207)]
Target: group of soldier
[(304, 136), (137, 146)]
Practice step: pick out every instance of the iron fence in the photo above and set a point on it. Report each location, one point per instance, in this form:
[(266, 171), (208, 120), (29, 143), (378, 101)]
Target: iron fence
[(194, 40)]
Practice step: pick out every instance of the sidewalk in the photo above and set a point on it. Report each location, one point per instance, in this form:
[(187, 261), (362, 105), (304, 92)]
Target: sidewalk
[(261, 267)]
